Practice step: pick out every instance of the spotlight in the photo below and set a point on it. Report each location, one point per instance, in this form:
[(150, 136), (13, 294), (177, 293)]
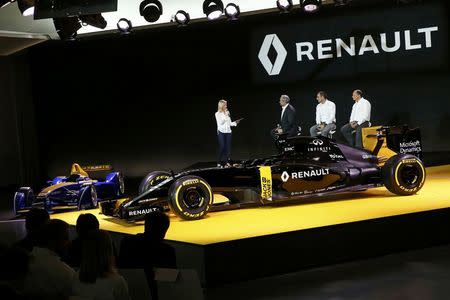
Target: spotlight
[(213, 9), (3, 3), (151, 10), (182, 18), (232, 11), (311, 6), (124, 26), (67, 27), (26, 7), (94, 20), (284, 5)]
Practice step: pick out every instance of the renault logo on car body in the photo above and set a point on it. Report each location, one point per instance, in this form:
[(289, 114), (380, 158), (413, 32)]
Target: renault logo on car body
[(263, 55)]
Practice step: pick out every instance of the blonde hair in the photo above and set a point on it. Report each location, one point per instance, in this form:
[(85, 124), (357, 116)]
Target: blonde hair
[(220, 105)]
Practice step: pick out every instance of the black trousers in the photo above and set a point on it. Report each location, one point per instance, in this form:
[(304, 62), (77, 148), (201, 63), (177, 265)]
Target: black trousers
[(354, 140), (224, 147)]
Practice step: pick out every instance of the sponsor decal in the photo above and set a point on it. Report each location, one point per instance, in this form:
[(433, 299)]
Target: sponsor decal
[(266, 182), (289, 149), (410, 147), (272, 40), (190, 181), (319, 149), (336, 156), (285, 176), (143, 211), (317, 142)]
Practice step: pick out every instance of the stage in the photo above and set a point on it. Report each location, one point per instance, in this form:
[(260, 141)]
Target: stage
[(273, 240)]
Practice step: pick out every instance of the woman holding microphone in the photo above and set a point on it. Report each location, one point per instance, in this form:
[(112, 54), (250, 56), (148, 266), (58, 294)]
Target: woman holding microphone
[(224, 124)]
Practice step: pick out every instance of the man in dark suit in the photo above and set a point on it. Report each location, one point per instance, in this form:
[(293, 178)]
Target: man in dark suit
[(288, 119)]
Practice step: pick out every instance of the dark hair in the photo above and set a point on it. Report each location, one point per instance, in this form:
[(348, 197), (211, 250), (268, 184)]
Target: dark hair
[(156, 225), (54, 230), (359, 92), (97, 256), (323, 94), (35, 219), (86, 223)]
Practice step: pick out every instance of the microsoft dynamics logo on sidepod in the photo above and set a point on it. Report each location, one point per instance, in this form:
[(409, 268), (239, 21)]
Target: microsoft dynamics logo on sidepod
[(272, 40)]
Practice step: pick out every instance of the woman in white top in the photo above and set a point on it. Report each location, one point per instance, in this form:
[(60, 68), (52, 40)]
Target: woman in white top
[(98, 279), (224, 124)]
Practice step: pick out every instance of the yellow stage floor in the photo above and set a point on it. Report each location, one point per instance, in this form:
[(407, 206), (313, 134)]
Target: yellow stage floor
[(245, 223)]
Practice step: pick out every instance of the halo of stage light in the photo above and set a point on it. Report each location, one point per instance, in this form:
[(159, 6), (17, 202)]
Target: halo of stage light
[(232, 11), (26, 7), (213, 9), (311, 6), (4, 3), (284, 5), (124, 26), (151, 10), (182, 18)]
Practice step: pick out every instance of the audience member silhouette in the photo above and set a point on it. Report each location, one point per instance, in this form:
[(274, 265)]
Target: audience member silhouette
[(14, 267), (86, 223), (48, 277), (34, 220), (148, 250), (98, 278)]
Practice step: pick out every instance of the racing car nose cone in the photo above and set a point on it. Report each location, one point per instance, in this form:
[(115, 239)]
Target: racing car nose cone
[(285, 176)]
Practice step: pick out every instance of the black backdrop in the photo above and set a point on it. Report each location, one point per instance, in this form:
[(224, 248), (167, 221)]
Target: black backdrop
[(147, 101)]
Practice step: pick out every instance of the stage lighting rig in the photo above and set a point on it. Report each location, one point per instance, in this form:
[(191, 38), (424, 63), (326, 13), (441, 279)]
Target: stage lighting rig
[(285, 6), (96, 20), (124, 26), (232, 11), (181, 17), (311, 6), (151, 10), (213, 9), (26, 7), (67, 27)]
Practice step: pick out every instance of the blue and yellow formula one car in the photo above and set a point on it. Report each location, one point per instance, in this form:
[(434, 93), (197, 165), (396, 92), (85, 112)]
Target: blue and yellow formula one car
[(80, 190)]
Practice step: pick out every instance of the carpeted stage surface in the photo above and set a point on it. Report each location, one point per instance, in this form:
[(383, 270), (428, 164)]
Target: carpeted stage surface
[(245, 223)]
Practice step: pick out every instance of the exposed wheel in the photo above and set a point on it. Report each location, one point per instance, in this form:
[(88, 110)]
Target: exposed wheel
[(404, 174), (121, 184), (152, 179), (23, 198), (190, 197)]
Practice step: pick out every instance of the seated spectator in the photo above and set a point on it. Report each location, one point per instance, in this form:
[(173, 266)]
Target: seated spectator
[(148, 250), (86, 223), (48, 277), (34, 220), (98, 279), (14, 267)]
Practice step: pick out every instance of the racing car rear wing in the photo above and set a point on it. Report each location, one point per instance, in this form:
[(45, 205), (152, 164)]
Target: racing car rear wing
[(387, 141), (77, 169)]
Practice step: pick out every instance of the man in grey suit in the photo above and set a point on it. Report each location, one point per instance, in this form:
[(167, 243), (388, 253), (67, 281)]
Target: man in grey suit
[(288, 119)]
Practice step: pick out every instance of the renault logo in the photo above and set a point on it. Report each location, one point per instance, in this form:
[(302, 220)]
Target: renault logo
[(285, 176), (263, 55)]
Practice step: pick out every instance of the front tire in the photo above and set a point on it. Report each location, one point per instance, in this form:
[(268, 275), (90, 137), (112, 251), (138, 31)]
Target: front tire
[(404, 174), (152, 179), (190, 197), (88, 198)]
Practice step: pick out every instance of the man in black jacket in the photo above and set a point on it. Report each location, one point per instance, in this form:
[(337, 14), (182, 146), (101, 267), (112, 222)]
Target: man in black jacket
[(288, 119)]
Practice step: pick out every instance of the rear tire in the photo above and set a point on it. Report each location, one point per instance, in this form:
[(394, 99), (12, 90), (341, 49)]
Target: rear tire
[(404, 174), (190, 197), (152, 179)]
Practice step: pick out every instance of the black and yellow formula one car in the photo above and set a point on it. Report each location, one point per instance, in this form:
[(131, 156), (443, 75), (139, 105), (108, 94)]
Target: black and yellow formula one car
[(305, 167)]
